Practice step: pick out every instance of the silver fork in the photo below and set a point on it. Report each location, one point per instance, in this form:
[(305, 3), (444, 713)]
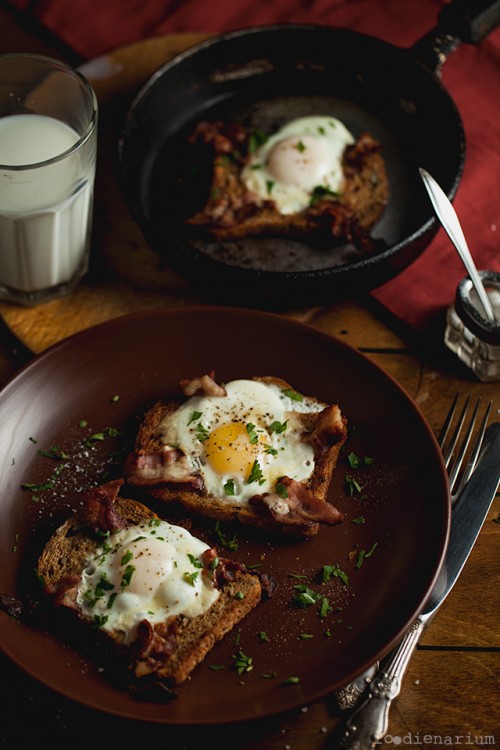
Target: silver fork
[(390, 676), (454, 459)]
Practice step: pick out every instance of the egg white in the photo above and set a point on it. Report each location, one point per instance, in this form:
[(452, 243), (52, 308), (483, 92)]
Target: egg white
[(148, 571), (300, 157), (264, 442)]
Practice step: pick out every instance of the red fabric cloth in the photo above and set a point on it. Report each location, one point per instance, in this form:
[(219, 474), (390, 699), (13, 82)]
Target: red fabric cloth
[(471, 75)]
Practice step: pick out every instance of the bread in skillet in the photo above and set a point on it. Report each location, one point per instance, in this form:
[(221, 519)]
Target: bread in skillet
[(233, 211)]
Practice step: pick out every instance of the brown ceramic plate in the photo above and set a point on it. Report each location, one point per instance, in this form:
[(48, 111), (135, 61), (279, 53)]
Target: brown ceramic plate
[(142, 357)]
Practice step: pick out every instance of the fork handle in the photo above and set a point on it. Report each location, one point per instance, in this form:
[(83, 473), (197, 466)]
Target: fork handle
[(368, 724)]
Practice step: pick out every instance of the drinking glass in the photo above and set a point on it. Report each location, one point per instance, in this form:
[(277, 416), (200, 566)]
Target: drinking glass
[(48, 144)]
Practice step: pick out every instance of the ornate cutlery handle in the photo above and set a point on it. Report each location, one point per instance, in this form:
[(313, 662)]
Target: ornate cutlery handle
[(368, 724)]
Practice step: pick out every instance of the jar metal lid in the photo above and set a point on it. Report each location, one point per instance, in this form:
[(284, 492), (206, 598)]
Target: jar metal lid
[(470, 311)]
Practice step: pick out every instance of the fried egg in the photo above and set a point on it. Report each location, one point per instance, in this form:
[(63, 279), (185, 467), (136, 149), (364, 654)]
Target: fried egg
[(148, 571), (301, 160), (244, 442)]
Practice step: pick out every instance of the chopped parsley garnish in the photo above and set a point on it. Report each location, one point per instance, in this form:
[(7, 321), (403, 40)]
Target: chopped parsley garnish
[(55, 453), (154, 522), (363, 555), (324, 607), (353, 487), (102, 586), (278, 427), (306, 636), (358, 520), (127, 576), (98, 437), (270, 450), (242, 662), (263, 636), (291, 681), (100, 620), (38, 487), (300, 147), (257, 139), (269, 185), (230, 544), (320, 192), (252, 435), (111, 600), (216, 667), (201, 433), (195, 561), (229, 488), (294, 395), (334, 570), (115, 398), (191, 577), (194, 417), (239, 595), (47, 485), (213, 565), (355, 462), (256, 474), (281, 490), (269, 676), (305, 596), (127, 557)]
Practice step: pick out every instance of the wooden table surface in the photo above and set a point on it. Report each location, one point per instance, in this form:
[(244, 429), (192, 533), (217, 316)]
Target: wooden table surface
[(450, 691)]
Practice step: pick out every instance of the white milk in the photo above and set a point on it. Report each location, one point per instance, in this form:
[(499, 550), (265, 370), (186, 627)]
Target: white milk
[(45, 211)]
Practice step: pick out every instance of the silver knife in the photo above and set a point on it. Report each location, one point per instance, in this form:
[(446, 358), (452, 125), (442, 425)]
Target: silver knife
[(367, 725)]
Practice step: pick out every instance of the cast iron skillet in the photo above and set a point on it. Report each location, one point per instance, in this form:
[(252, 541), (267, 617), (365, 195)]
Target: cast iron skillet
[(263, 77)]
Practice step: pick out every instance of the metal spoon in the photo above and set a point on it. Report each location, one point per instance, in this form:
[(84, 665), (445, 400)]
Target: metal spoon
[(449, 219)]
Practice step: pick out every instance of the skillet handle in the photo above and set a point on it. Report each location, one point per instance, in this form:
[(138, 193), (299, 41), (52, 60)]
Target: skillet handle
[(459, 21), (470, 20)]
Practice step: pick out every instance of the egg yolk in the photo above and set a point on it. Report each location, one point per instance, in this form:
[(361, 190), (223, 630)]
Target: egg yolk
[(229, 450)]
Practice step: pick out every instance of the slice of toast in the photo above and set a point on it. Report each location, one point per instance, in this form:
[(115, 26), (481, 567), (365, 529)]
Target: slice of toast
[(297, 509), (233, 212), (167, 651)]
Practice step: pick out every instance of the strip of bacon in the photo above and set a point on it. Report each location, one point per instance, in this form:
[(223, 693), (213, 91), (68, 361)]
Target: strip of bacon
[(97, 511), (299, 507), (166, 466), (205, 385), (153, 644), (330, 429)]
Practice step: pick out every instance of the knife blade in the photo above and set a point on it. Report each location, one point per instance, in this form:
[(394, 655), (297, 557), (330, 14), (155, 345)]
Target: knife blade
[(368, 724)]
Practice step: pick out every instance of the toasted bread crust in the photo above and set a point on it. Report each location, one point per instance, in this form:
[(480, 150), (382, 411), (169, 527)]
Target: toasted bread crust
[(199, 502)]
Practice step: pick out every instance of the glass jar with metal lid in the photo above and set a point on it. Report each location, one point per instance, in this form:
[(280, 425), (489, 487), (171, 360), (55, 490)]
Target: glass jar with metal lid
[(469, 334)]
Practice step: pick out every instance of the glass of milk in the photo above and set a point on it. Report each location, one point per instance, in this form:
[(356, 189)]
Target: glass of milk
[(48, 142)]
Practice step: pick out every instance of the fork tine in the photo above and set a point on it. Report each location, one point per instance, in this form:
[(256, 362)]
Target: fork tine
[(447, 422), (465, 442), (448, 453), (476, 450)]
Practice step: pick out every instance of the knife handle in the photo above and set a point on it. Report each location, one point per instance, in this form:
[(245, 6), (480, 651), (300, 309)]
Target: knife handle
[(368, 724)]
